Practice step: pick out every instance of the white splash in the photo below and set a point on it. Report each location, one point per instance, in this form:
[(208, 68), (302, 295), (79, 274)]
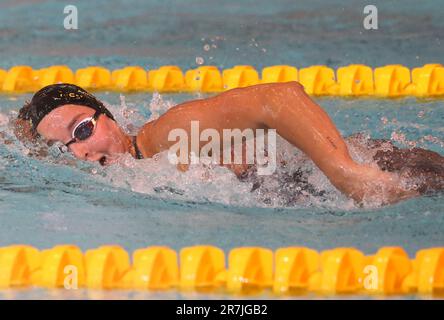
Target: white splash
[(4, 120)]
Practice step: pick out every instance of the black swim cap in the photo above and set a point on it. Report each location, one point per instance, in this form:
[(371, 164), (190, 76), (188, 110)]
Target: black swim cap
[(56, 95)]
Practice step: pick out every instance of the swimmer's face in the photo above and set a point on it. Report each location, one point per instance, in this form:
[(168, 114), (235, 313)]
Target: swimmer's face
[(105, 143)]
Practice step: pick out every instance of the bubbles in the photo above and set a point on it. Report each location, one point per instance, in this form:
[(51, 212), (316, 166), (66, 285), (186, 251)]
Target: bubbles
[(401, 138), (432, 139), (157, 177), (200, 61)]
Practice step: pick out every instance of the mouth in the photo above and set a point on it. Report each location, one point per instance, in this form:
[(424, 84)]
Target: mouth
[(103, 161)]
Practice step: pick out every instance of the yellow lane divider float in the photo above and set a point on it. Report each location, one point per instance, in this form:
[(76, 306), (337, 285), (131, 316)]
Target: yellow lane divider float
[(287, 271), (352, 80)]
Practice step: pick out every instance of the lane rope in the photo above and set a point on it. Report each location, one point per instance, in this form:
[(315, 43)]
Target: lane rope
[(352, 80), (286, 271)]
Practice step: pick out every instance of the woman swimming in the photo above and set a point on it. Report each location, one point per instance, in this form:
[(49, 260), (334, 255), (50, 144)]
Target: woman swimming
[(67, 113)]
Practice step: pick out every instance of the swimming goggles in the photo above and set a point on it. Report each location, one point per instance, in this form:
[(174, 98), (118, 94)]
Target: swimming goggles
[(84, 129)]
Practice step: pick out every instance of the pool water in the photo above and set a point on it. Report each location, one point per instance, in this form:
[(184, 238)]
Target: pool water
[(52, 199), (136, 203)]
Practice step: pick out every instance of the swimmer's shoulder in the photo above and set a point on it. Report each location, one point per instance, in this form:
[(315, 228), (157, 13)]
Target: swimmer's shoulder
[(152, 138), (145, 140)]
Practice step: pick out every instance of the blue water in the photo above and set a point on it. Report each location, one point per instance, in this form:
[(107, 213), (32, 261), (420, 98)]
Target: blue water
[(54, 199), (157, 32)]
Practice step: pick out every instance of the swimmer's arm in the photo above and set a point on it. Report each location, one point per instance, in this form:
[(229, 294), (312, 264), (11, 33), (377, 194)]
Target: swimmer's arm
[(281, 106)]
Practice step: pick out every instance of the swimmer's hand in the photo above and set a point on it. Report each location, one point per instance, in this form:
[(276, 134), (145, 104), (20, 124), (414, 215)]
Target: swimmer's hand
[(373, 186)]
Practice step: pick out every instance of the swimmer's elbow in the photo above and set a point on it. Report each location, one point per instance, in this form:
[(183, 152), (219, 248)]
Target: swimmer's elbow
[(265, 89)]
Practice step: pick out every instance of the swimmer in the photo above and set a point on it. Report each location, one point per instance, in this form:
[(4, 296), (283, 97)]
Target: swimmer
[(69, 114)]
